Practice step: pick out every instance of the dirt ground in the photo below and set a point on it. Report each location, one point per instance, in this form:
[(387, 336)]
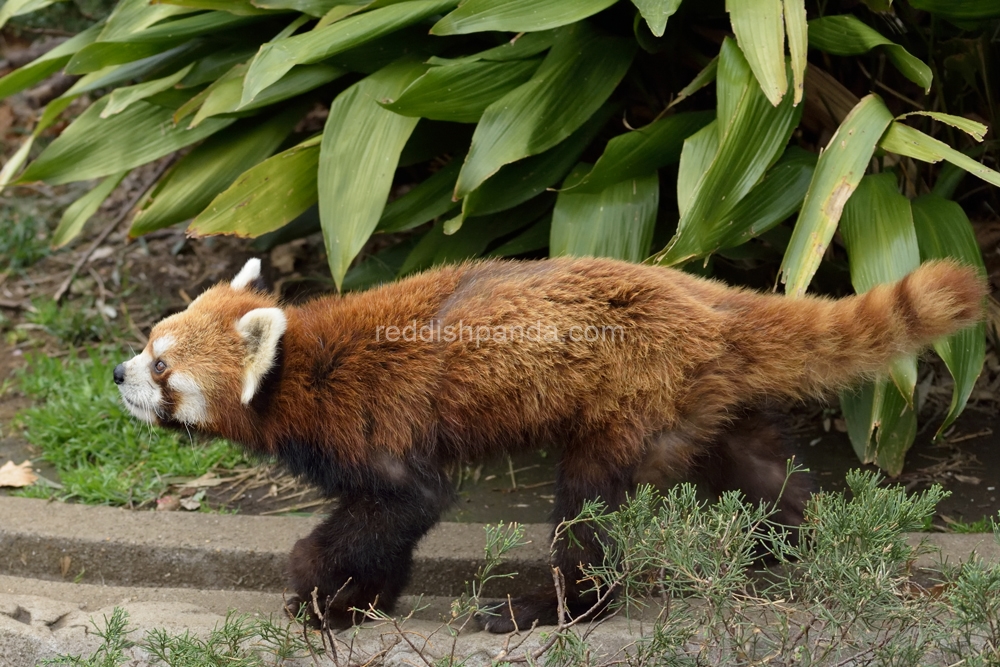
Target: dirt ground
[(132, 284)]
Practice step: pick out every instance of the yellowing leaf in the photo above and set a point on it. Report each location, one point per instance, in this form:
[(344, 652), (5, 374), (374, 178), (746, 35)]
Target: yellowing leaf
[(838, 172)]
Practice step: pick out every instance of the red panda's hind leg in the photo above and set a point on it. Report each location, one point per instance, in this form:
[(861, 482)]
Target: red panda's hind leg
[(362, 554), (597, 466), (751, 455)]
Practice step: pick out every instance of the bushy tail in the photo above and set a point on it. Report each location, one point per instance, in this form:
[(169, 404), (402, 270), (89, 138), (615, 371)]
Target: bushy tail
[(806, 346)]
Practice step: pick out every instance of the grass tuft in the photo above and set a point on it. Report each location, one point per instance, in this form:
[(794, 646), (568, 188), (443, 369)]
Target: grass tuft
[(103, 455)]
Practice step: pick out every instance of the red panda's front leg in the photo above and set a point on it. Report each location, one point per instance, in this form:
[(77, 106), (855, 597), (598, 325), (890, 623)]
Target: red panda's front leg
[(361, 555)]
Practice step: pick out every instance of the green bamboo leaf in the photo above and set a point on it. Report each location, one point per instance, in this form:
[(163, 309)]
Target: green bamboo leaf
[(877, 228), (838, 172), (616, 222), (703, 78), (753, 139), (221, 96), (153, 40), (382, 267), (146, 68), (640, 151), (48, 64), (12, 8), (858, 406), (339, 12), (656, 13), (518, 182), (879, 405), (423, 203), (798, 43), (461, 93), (265, 197), (435, 247), (943, 230), (275, 58), (202, 174), (959, 9), (122, 98), (532, 239), (521, 47), (779, 194), (314, 8), (696, 157), (217, 63), (50, 114), (238, 7), (579, 73), (760, 32), (101, 55), (80, 211), (905, 140), (976, 130), (131, 16), (225, 93), (14, 163), (845, 35), (516, 15), (225, 97), (300, 79), (360, 150), (93, 147)]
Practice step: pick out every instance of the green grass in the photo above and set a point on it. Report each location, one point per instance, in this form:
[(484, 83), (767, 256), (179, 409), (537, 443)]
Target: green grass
[(74, 325), (984, 525), (241, 641), (24, 241), (102, 454)]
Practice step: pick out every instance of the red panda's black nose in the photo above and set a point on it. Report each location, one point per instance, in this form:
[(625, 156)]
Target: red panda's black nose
[(119, 373)]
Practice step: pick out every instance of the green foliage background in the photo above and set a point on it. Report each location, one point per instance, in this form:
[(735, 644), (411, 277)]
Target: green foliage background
[(653, 130)]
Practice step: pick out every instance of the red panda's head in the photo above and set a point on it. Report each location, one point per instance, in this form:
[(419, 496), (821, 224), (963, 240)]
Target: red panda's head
[(205, 364)]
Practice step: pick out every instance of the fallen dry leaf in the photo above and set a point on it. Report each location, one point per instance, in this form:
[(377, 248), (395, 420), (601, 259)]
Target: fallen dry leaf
[(17, 475), (190, 504), (6, 119), (967, 479), (206, 480), (168, 504)]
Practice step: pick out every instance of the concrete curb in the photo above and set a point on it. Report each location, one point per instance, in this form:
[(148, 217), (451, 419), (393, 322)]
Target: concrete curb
[(62, 565), (103, 545)]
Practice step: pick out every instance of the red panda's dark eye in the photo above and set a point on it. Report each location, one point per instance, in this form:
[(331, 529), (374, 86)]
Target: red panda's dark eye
[(159, 367)]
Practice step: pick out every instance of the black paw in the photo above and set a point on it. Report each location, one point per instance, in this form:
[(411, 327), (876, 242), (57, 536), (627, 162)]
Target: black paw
[(541, 608), (323, 613), (519, 614)]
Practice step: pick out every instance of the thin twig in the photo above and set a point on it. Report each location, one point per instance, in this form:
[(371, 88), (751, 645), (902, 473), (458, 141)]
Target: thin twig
[(110, 227)]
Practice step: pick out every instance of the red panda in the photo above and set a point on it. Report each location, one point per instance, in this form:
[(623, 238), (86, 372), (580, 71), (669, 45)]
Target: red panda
[(371, 395)]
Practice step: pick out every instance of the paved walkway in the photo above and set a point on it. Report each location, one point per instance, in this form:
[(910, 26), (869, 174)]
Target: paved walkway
[(62, 565)]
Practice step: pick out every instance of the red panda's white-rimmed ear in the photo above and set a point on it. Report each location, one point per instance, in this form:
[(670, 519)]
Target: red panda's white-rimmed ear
[(261, 330), (249, 273)]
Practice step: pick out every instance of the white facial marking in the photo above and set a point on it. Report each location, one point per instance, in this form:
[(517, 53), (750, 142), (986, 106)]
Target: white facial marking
[(139, 393), (191, 406), (249, 273), (162, 344)]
